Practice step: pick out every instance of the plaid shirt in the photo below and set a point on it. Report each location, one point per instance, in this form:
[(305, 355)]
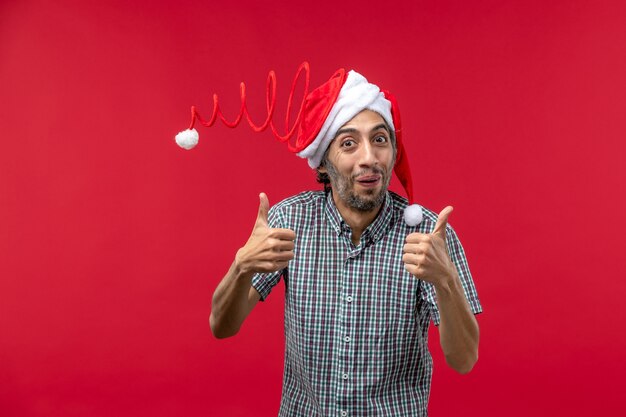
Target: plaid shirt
[(356, 322)]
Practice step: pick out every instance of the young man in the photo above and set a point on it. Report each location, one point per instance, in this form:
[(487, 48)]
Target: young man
[(361, 284)]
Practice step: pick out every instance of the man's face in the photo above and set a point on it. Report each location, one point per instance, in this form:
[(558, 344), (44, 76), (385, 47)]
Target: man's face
[(360, 160)]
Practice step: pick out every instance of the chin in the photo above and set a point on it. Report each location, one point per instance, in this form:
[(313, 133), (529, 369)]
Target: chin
[(367, 201)]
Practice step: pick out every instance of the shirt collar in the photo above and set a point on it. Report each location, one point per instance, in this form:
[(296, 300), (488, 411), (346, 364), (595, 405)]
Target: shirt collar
[(374, 231)]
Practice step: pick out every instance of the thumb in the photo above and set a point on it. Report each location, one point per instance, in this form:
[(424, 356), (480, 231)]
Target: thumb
[(264, 206), (442, 222)]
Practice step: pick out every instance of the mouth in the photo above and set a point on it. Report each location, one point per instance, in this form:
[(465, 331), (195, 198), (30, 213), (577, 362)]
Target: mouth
[(368, 181)]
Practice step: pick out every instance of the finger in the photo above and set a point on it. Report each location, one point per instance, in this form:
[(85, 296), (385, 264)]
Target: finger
[(415, 248), (442, 222), (279, 245), (264, 207), (282, 256), (417, 238), (283, 234), (271, 266), (409, 248), (280, 265), (278, 257), (413, 269), (412, 259)]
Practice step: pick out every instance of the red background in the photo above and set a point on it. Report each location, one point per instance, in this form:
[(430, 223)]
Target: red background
[(112, 238)]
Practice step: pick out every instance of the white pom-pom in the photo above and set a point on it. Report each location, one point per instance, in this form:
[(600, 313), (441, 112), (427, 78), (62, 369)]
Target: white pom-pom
[(413, 215), (187, 139)]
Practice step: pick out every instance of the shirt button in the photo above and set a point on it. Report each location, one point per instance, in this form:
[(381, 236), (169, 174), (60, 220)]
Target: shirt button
[(346, 339), (344, 413), (344, 376), (349, 299)]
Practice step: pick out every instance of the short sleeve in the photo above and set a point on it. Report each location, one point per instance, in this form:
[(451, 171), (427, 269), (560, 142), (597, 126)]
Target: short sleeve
[(264, 283), (457, 255)]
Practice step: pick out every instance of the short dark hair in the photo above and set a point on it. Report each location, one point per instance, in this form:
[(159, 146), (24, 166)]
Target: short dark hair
[(322, 177)]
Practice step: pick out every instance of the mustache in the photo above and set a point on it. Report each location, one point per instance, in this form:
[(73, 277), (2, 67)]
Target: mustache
[(369, 171)]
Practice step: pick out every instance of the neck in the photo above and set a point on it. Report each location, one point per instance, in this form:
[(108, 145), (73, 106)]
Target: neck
[(357, 220)]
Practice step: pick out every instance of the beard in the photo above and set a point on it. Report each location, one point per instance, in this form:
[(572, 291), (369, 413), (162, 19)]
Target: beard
[(344, 186)]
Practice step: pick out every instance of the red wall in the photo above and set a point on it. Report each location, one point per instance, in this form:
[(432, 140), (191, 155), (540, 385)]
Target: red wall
[(112, 238)]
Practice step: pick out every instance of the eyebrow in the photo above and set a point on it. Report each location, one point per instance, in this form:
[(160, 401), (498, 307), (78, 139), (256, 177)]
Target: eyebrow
[(353, 130)]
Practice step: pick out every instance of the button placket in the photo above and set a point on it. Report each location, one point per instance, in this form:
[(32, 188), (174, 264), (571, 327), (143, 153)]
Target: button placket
[(345, 330)]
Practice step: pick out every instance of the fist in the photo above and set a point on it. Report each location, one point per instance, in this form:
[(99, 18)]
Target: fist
[(268, 249), (426, 255)]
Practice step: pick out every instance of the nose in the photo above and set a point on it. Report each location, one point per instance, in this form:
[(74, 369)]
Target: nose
[(367, 155)]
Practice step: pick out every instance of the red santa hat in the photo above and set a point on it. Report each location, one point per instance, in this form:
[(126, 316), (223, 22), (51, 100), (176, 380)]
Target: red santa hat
[(323, 112), (355, 95)]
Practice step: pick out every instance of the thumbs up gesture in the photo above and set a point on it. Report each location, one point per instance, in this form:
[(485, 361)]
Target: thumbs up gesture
[(267, 249), (426, 255)]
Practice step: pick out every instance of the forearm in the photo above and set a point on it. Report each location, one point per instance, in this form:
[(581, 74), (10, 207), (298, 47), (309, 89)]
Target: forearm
[(458, 330), (233, 300)]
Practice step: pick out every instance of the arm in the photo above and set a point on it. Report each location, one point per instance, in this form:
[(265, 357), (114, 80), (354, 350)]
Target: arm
[(267, 250), (426, 257), (458, 330), (233, 299)]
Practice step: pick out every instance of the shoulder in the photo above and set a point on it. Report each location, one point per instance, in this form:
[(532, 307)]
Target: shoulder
[(295, 211), (306, 203), (428, 223), (400, 203), (303, 199)]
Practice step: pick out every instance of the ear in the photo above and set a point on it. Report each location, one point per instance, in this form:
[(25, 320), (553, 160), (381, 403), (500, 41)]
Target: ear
[(322, 169)]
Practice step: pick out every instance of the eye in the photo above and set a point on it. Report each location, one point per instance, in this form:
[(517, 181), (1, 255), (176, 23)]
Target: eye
[(348, 143), (381, 139)]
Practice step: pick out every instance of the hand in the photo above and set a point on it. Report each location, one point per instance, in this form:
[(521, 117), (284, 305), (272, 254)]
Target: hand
[(267, 249), (426, 255)]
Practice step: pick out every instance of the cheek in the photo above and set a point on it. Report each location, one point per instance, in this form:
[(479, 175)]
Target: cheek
[(344, 166), (386, 159)]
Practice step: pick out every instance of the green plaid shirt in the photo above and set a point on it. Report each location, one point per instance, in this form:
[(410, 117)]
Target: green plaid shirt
[(356, 322)]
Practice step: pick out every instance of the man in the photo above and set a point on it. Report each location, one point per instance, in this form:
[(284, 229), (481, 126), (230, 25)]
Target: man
[(361, 284)]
